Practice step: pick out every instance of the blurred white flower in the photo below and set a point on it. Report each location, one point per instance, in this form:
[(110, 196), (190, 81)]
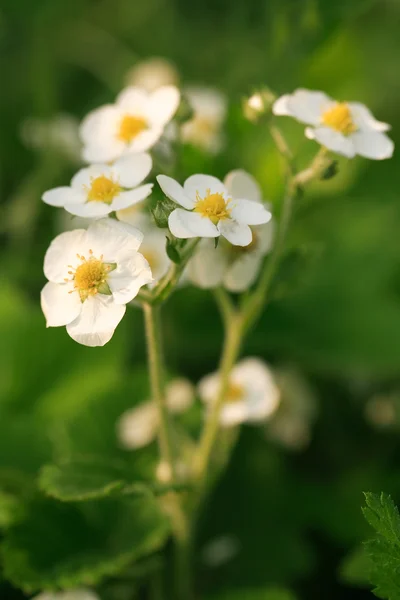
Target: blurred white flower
[(252, 396), (138, 426), (212, 208), (92, 275), (60, 133), (153, 246), (204, 130), (234, 267), (381, 410), (348, 128), (133, 124), (291, 424), (152, 73), (75, 594), (99, 189), (220, 550)]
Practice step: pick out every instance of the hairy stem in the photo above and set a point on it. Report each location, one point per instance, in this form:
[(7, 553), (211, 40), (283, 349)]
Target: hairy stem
[(230, 352), (156, 369)]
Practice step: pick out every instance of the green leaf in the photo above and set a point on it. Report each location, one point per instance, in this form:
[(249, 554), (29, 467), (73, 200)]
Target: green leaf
[(384, 550), (255, 594), (82, 479), (11, 509), (66, 545)]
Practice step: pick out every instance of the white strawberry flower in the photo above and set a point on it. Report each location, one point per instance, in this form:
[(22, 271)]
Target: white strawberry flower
[(234, 267), (139, 426), (252, 396), (348, 128), (212, 208), (204, 130), (100, 189), (92, 275), (133, 124)]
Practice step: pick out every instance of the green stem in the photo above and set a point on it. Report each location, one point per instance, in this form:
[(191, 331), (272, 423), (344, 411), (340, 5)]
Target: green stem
[(230, 352), (157, 384)]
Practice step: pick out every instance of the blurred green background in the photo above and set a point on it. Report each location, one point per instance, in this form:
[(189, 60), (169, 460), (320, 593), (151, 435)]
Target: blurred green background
[(335, 316)]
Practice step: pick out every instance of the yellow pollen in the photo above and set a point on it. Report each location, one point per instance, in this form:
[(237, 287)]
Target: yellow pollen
[(212, 206), (234, 393), (339, 118), (90, 276), (102, 189), (130, 127)]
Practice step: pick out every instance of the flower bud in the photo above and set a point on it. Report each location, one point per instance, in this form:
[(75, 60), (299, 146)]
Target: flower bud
[(258, 105), (185, 111), (161, 212)]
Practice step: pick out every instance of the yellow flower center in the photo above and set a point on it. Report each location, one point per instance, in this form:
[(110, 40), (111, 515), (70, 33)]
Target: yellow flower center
[(212, 206), (90, 277), (130, 127), (339, 118), (102, 189), (234, 393)]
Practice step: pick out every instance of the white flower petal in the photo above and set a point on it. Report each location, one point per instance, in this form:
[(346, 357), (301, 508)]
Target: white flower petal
[(308, 106), (184, 224), (90, 210), (61, 253), (61, 196), (132, 169), (134, 215), (97, 321), (281, 106), (333, 140), (113, 239), (208, 265), (208, 388), (131, 274), (364, 119), (243, 272), (250, 212), (163, 104), (202, 184), (138, 427), (233, 414), (174, 191), (107, 150), (133, 100), (265, 237), (145, 140), (236, 233), (82, 179), (179, 395), (131, 197), (263, 395), (373, 144), (98, 132), (58, 305), (242, 185)]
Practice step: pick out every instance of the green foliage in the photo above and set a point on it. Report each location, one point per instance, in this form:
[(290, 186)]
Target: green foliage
[(11, 509), (68, 545), (255, 594), (81, 480), (384, 550)]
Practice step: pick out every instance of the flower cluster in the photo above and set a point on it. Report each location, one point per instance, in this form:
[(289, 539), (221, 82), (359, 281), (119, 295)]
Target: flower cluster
[(93, 273)]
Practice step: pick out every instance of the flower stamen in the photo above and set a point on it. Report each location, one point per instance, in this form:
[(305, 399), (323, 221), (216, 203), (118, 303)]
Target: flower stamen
[(235, 392), (102, 189), (130, 127), (90, 277), (213, 206), (339, 118)]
